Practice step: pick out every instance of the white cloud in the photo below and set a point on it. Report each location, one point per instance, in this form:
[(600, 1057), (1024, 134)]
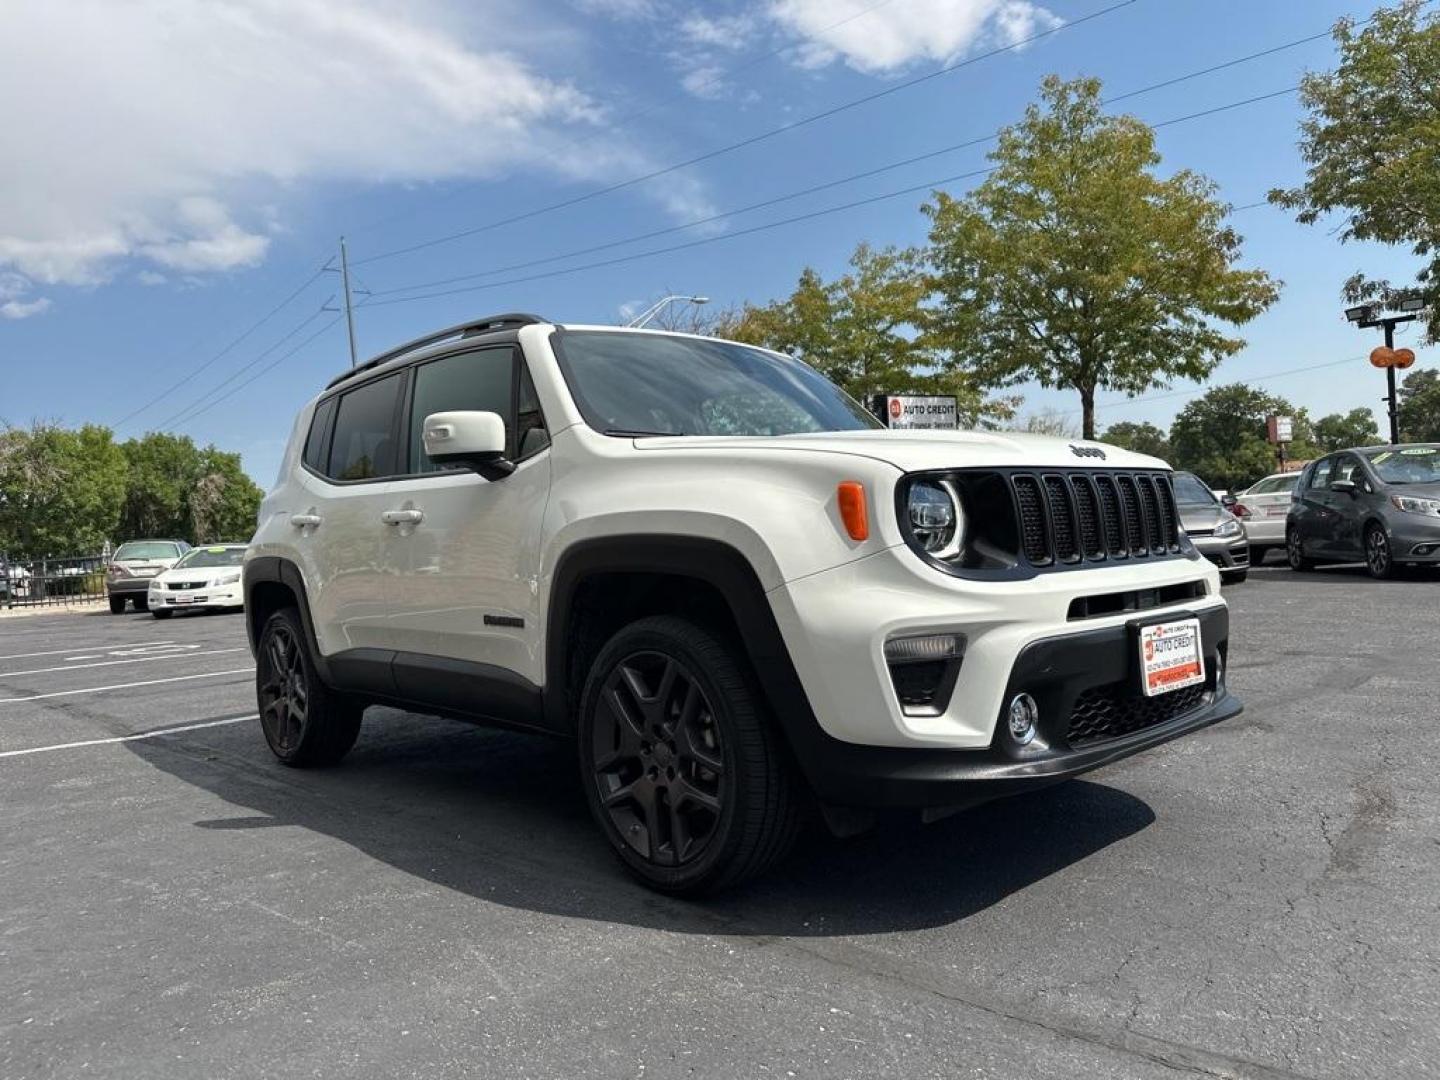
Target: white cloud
[(899, 34), (159, 134), (719, 32), (18, 309), (620, 9)]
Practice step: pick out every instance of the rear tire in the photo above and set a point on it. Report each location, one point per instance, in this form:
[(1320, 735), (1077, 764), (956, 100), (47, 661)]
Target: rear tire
[(682, 767), (1295, 551), (117, 605), (305, 723), (1234, 579), (1257, 554)]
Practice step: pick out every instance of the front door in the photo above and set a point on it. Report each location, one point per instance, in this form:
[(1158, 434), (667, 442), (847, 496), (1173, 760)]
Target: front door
[(465, 557)]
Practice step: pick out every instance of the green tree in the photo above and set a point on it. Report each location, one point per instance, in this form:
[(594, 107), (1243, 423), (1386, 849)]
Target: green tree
[(1142, 438), (1372, 145), (1075, 265), (1338, 432), (1420, 406), (179, 490), (60, 490), (862, 332), (1220, 436)]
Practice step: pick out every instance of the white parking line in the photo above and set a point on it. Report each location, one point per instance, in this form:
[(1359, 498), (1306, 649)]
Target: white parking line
[(126, 686), (73, 648), (111, 663), (127, 738)]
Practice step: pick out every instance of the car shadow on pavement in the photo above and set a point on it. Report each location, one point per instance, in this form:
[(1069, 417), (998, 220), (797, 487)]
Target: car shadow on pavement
[(500, 817)]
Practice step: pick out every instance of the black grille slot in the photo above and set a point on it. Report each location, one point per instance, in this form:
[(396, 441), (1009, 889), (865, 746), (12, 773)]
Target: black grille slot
[(1110, 516), (1116, 710), (1169, 515), (1033, 533), (1062, 522), (1087, 513), (1130, 517), (1150, 508)]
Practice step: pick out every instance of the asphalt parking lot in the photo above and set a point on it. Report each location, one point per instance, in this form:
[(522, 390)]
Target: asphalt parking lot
[(1257, 900)]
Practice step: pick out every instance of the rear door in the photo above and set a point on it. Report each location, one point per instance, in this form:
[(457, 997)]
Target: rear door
[(340, 494), (463, 570)]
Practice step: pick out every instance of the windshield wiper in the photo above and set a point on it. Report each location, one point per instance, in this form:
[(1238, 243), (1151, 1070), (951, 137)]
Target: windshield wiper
[(629, 434)]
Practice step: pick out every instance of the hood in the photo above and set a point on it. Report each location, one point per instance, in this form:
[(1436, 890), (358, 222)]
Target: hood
[(917, 451), (1200, 520), (1418, 491)]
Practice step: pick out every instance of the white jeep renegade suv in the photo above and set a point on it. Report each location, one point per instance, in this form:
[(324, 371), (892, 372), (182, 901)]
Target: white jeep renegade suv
[(739, 595)]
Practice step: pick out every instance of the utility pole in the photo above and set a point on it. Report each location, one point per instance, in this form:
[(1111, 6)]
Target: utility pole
[(349, 307)]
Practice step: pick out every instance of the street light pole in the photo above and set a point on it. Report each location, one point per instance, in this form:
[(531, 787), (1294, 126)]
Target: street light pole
[(1392, 402), (660, 305)]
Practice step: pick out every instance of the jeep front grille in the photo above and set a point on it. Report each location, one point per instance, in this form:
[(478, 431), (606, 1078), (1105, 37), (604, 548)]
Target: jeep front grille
[(1093, 516)]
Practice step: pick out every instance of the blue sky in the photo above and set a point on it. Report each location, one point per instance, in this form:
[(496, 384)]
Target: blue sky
[(197, 169)]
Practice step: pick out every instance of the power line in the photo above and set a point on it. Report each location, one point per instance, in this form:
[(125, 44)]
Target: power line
[(227, 349), (763, 136), (267, 368), (852, 178), (185, 413), (618, 260)]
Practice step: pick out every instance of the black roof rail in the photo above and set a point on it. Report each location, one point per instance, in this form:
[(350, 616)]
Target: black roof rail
[(465, 329)]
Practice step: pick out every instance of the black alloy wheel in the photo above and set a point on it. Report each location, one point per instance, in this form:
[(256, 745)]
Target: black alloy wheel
[(1295, 552), (683, 767), (1378, 559), (303, 720), (657, 760)]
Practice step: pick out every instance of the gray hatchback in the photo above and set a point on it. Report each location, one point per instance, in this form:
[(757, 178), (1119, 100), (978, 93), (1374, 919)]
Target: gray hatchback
[(1378, 503)]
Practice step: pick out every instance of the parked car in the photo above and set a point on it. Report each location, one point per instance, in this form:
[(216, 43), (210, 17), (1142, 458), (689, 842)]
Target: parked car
[(1263, 507), (204, 578), (1216, 533), (14, 581), (1378, 503), (725, 582), (134, 564)]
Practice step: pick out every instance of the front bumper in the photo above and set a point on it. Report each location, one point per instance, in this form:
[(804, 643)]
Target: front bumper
[(1414, 538), (1231, 554), (1061, 673), (220, 596)]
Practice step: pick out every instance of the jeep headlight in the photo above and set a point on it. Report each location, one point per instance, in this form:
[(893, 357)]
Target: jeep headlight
[(1411, 505), (935, 518), (1227, 529)]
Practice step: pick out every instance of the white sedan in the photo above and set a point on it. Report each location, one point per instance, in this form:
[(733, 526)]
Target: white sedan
[(206, 578), (1263, 507)]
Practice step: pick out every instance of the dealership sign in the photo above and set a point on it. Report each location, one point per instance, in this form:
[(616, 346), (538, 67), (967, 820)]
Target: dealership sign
[(1278, 429), (911, 411)]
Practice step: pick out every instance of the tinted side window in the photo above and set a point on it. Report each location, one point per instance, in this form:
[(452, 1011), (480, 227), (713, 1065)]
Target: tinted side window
[(317, 443), (364, 443), (531, 435), (1320, 478), (473, 381)]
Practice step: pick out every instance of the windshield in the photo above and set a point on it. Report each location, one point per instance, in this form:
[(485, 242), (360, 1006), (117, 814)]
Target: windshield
[(213, 556), (1189, 491), (1407, 464), (648, 384), (146, 549)]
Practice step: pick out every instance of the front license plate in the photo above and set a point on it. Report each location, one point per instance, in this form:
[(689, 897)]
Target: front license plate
[(1170, 656), (184, 599)]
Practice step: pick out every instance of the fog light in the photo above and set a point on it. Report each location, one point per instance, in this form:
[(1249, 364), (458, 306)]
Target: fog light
[(911, 650), (1023, 714)]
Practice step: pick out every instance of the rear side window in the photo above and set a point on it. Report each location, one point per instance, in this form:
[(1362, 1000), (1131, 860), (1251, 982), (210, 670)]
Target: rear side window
[(479, 381), (363, 447), (317, 443)]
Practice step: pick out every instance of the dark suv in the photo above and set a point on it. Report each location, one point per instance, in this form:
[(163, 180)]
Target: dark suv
[(1378, 503)]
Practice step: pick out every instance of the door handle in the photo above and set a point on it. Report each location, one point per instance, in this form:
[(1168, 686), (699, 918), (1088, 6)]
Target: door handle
[(402, 517), (300, 521)]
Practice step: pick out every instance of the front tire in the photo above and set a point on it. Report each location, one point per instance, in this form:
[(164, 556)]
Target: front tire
[(1235, 578), (1295, 551), (682, 768), (117, 605), (304, 722), (161, 614), (1379, 560)]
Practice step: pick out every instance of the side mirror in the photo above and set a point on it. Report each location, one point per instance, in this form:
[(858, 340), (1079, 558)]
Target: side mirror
[(1228, 501), (471, 440), (1346, 486)]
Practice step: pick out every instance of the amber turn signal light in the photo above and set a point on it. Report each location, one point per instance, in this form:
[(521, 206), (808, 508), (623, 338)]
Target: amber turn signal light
[(850, 494)]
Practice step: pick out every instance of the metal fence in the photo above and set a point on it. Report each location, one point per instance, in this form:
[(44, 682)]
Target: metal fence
[(75, 579)]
